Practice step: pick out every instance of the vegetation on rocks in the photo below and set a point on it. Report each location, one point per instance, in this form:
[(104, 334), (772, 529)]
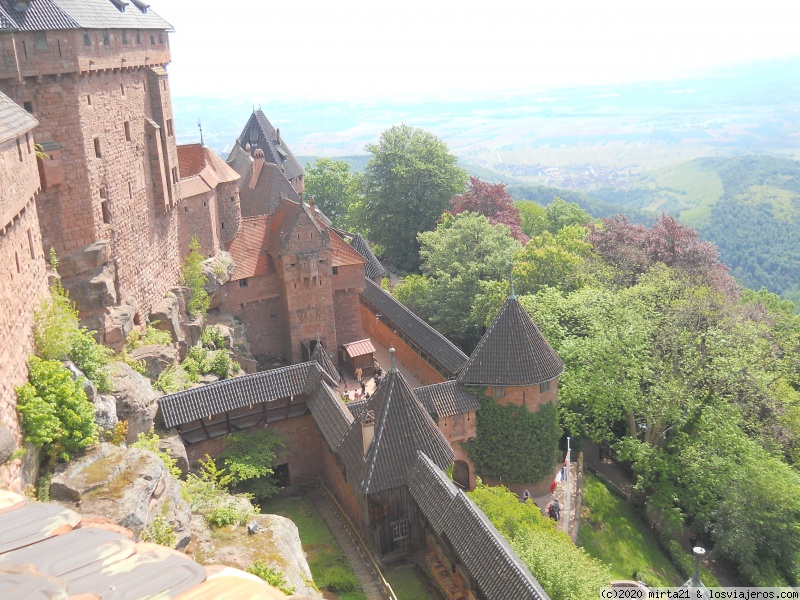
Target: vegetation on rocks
[(194, 279), (271, 575)]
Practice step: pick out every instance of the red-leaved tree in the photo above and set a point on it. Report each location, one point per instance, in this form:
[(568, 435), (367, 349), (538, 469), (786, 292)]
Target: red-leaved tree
[(492, 201)]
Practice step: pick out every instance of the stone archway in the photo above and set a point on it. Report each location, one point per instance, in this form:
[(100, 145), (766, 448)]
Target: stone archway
[(461, 474)]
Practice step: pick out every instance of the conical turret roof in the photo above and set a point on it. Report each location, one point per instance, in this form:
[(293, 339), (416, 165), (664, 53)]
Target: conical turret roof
[(402, 428), (512, 352)]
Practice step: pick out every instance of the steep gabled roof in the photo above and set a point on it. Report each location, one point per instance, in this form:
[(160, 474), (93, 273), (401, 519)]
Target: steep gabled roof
[(512, 352), (373, 268), (423, 335), (487, 555), (330, 414), (325, 361), (14, 120), (230, 394), (42, 15), (446, 399), (402, 428), (202, 170), (259, 133)]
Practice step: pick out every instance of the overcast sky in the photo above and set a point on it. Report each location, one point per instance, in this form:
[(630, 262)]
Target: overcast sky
[(356, 49)]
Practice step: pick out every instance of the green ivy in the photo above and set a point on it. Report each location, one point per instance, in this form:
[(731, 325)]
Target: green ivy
[(55, 414), (195, 280), (150, 441), (513, 444)]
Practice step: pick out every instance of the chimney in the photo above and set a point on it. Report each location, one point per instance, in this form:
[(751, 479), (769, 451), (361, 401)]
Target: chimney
[(313, 206), (278, 136), (258, 164), (368, 430)]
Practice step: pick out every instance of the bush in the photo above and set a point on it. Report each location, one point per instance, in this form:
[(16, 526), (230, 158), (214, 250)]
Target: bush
[(151, 337), (272, 576), (149, 441), (249, 457), (55, 414), (161, 532), (170, 380), (212, 339), (339, 579), (207, 495), (195, 280)]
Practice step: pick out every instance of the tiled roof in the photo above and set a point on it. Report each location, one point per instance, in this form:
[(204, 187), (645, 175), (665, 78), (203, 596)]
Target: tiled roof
[(229, 394), (492, 563), (359, 348), (260, 133), (325, 362), (356, 407), (402, 428), (373, 267), (330, 414), (194, 159), (511, 352), (194, 185), (341, 252), (14, 120), (78, 14), (446, 399), (423, 335), (248, 248)]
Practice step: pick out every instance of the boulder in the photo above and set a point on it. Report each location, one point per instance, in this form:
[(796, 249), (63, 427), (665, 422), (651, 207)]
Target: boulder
[(248, 363), (88, 387), (118, 324), (193, 328), (182, 294), (156, 358), (105, 411), (173, 445), (277, 543), (92, 291), (84, 259), (167, 313), (218, 271), (135, 399), (7, 444), (131, 487)]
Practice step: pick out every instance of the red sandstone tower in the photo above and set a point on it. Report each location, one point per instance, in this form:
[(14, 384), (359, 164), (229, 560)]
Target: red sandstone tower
[(92, 72)]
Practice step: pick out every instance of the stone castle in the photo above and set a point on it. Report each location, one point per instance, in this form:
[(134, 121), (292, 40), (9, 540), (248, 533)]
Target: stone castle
[(113, 195)]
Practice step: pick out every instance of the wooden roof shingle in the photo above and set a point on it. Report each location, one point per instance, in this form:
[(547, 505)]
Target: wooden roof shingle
[(42, 15), (14, 120), (512, 352), (230, 394), (373, 268), (425, 336), (330, 413), (446, 399)]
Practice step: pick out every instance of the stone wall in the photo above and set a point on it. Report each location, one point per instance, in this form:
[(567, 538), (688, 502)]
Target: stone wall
[(197, 216), (347, 314), (529, 396), (413, 361)]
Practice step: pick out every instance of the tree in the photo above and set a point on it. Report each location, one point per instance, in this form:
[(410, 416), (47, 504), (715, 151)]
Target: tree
[(493, 202), (553, 260), (560, 214), (334, 188), (408, 183), (195, 280), (533, 217)]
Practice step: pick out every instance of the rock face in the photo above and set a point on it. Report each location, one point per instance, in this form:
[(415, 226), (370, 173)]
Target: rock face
[(277, 543), (93, 291), (118, 324), (131, 487), (7, 444), (84, 259), (105, 411), (156, 358), (218, 271), (168, 314), (173, 445), (135, 399)]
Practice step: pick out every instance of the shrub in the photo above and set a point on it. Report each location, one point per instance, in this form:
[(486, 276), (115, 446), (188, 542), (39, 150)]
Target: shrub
[(339, 579), (151, 337), (120, 433), (207, 495), (169, 381), (149, 441), (221, 516), (56, 416), (91, 358), (249, 457), (271, 575), (43, 487), (195, 280), (212, 338), (161, 532)]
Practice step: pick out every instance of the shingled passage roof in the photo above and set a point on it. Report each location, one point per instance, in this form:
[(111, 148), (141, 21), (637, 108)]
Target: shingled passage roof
[(446, 399), (402, 428), (490, 560), (422, 334), (259, 133), (373, 267), (330, 414), (14, 120), (325, 362), (511, 352), (79, 14), (230, 394)]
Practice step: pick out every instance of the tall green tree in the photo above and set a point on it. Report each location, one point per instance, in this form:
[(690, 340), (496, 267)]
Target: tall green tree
[(408, 183), (334, 188)]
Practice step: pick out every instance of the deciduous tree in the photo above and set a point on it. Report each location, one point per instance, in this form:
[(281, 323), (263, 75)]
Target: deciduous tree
[(493, 202), (334, 188)]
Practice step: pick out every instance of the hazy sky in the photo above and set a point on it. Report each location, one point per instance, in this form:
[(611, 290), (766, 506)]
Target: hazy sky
[(357, 49)]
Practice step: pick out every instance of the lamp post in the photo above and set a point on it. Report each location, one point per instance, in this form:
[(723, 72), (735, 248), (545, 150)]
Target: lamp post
[(694, 583)]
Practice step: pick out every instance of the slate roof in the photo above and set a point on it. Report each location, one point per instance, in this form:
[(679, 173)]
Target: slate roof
[(325, 362), (425, 336), (330, 414), (402, 428), (230, 394), (446, 399), (259, 133), (490, 560), (373, 268), (14, 120), (512, 352), (78, 14)]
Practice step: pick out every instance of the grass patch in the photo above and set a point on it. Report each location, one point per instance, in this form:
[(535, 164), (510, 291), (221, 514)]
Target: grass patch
[(613, 533), (408, 584), (323, 553)]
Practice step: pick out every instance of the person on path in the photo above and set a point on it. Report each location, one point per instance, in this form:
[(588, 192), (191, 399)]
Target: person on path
[(557, 509), (359, 372), (526, 495)]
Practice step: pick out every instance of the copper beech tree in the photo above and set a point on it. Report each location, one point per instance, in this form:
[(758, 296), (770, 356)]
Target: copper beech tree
[(493, 202)]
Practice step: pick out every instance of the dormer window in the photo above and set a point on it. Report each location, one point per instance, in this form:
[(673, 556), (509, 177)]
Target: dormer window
[(120, 4), (142, 6)]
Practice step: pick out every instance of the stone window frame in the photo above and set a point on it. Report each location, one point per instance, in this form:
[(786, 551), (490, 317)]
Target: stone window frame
[(126, 126), (243, 282), (106, 38), (499, 391), (124, 37), (97, 149), (335, 270), (170, 128), (87, 40), (138, 38)]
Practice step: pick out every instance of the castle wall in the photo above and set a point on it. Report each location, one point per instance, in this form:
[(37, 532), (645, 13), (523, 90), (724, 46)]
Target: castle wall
[(347, 315), (529, 396), (229, 210), (197, 216), (338, 486), (414, 362)]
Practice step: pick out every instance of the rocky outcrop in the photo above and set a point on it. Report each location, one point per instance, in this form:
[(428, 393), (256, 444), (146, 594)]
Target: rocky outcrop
[(84, 259), (156, 358), (118, 323), (277, 543), (166, 315), (105, 411), (218, 271), (174, 446), (135, 399), (92, 291), (7, 444), (234, 333), (131, 487)]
